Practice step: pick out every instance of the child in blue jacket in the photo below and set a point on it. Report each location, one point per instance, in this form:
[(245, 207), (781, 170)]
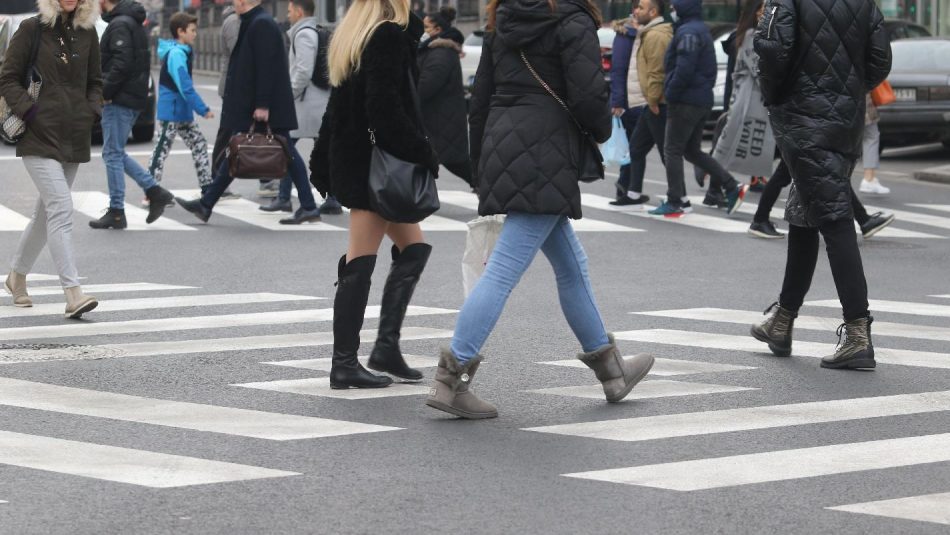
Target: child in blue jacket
[(178, 101)]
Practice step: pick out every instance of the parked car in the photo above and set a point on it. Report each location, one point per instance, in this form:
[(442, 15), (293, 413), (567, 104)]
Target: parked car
[(902, 29), (472, 50), (920, 76), (8, 26)]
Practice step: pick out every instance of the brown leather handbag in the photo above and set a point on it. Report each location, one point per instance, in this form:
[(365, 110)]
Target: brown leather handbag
[(258, 155)]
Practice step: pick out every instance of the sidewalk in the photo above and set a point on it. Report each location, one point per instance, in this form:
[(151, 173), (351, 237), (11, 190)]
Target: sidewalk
[(939, 174)]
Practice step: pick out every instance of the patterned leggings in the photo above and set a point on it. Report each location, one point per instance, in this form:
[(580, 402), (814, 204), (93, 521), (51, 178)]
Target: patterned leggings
[(193, 138)]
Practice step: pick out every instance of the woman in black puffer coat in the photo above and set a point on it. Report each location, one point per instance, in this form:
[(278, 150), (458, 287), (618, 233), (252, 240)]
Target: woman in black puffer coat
[(817, 61), (370, 74), (443, 96), (527, 151)]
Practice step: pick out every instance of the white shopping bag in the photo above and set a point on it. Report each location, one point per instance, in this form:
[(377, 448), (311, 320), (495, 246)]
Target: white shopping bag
[(479, 242)]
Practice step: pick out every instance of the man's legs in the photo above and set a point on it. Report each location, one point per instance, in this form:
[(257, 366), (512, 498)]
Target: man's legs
[(694, 154), (680, 121), (113, 152)]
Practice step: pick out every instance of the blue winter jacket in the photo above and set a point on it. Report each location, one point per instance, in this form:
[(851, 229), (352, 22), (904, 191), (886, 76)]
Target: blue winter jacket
[(177, 98), (690, 61), (620, 66)]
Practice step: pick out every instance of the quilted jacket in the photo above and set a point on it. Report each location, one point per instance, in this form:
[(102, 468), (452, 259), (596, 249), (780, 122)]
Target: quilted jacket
[(817, 61), (690, 61), (443, 104), (523, 142)]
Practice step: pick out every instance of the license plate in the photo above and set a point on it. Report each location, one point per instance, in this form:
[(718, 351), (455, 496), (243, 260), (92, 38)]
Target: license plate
[(905, 94)]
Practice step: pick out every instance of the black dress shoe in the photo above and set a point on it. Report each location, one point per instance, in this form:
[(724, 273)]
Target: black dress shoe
[(876, 223), (302, 216), (278, 205), (114, 218), (627, 201), (195, 207)]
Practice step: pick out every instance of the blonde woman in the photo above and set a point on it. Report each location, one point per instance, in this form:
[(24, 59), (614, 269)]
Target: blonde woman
[(372, 60), (57, 134)]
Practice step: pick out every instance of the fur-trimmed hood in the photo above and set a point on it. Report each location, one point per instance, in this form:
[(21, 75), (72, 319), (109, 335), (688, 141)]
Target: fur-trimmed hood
[(85, 17)]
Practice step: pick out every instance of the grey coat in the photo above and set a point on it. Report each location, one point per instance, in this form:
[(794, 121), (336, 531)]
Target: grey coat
[(309, 100), (230, 29)]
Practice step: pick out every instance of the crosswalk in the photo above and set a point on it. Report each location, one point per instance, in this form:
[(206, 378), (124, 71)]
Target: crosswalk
[(916, 221)]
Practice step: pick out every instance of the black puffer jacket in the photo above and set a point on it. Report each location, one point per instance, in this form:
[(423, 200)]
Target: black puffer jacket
[(377, 94), (125, 56), (443, 104), (817, 60), (523, 143)]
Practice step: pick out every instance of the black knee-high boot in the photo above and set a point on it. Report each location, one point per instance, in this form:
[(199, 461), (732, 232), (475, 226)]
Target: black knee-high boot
[(404, 273), (349, 306)]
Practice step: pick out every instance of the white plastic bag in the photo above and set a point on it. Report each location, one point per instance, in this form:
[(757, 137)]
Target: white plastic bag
[(617, 149), (479, 242)]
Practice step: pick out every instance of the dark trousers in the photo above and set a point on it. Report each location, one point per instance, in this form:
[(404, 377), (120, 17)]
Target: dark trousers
[(841, 243), (649, 130), (299, 180), (684, 136), (629, 121), (781, 178)]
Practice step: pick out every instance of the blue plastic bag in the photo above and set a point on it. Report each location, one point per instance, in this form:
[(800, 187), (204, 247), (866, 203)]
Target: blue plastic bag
[(616, 150)]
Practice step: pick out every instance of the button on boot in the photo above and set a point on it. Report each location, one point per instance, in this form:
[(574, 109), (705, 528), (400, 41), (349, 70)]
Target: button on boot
[(452, 392), (617, 375)]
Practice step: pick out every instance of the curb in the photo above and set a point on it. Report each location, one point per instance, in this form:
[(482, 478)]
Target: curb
[(939, 174)]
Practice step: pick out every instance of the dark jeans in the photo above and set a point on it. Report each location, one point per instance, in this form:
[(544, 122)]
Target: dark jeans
[(648, 131), (782, 178), (222, 178), (298, 180), (684, 136), (629, 121), (841, 243)]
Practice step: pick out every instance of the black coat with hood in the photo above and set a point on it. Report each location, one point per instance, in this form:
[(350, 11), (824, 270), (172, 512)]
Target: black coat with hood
[(125, 56), (377, 96), (817, 61), (524, 144), (444, 109)]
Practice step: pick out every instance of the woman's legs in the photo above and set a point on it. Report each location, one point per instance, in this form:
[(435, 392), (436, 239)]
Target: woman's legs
[(841, 243), (799, 266)]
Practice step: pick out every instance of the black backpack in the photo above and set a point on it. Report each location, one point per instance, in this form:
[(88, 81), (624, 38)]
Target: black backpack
[(321, 69)]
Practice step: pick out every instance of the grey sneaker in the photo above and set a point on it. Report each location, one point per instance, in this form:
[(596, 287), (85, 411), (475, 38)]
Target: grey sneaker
[(857, 351)]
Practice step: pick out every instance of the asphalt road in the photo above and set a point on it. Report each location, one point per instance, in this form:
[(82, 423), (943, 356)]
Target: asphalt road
[(172, 417)]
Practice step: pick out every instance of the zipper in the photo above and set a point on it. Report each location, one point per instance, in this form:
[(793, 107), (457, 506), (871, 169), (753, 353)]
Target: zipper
[(768, 35)]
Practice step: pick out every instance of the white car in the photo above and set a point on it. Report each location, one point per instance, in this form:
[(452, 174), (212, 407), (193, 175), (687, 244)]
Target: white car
[(472, 50)]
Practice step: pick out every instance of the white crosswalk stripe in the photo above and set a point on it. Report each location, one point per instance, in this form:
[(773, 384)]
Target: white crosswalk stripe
[(646, 390), (94, 203), (696, 220), (93, 289), (896, 307), (663, 367), (323, 364), (11, 221), (936, 207), (321, 387), (927, 508), (721, 472), (249, 212)]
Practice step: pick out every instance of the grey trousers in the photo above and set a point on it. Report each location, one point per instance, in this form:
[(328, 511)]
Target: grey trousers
[(52, 220)]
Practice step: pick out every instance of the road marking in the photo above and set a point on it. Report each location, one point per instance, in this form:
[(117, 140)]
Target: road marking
[(321, 387), (704, 474), (194, 416), (914, 217), (718, 224), (192, 323), (110, 288), (897, 307), (646, 390), (122, 465), (469, 201), (812, 323), (42, 277), (249, 212), (11, 221), (928, 508), (947, 296), (665, 367), (154, 303), (751, 418), (94, 203), (936, 207), (903, 357), (139, 153), (324, 364)]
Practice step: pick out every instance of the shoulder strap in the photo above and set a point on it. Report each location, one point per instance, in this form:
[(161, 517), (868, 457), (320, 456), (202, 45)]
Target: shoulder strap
[(551, 91), (37, 37), (293, 43)]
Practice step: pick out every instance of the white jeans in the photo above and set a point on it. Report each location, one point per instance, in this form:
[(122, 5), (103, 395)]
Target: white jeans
[(871, 157), (52, 220)]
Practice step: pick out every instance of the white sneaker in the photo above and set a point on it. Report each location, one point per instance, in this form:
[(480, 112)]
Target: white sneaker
[(875, 187)]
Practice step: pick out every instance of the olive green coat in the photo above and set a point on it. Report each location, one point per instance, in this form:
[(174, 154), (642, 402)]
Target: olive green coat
[(70, 100)]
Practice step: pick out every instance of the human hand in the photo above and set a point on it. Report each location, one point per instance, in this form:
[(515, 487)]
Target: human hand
[(209, 115), (261, 114), (617, 111), (655, 109)]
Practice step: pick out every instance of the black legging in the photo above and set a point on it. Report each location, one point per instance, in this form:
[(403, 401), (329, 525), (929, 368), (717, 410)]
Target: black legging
[(841, 243), (782, 178)]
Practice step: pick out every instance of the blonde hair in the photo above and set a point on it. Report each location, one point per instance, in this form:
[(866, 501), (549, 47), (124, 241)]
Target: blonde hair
[(354, 32)]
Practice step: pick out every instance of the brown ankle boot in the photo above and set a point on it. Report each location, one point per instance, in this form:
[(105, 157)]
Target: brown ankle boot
[(617, 375), (78, 303), (451, 392), (16, 285)]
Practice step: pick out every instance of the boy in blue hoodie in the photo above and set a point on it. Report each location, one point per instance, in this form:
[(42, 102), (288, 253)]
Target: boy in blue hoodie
[(178, 101)]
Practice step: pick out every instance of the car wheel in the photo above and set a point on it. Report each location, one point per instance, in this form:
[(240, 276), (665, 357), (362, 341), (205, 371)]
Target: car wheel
[(141, 134)]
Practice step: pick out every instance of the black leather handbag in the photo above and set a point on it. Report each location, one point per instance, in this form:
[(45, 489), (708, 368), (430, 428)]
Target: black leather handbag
[(401, 191), (590, 162)]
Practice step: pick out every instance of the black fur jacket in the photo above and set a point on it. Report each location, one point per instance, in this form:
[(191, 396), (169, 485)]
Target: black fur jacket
[(376, 97)]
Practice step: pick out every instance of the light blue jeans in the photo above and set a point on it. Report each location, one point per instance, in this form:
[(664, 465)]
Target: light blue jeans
[(117, 124), (521, 238)]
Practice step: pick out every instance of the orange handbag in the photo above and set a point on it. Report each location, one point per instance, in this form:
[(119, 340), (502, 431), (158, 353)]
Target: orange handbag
[(883, 94)]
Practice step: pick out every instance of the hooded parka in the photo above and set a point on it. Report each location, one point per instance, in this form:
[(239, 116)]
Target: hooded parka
[(525, 146), (126, 60), (443, 104), (817, 61), (59, 127)]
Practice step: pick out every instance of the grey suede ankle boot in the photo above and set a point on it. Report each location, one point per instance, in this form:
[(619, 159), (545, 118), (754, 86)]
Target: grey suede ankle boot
[(16, 285), (857, 351), (616, 374), (776, 331), (78, 303), (451, 392)]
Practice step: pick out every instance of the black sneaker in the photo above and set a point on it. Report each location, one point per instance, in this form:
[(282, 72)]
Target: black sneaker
[(765, 230), (686, 207), (195, 207), (158, 198), (302, 216), (715, 199), (876, 223), (627, 201), (331, 207), (113, 218)]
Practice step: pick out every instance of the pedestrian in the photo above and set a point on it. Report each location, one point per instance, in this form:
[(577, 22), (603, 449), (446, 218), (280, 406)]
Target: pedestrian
[(691, 71), (848, 54), (442, 95), (370, 72), (257, 91), (230, 27), (178, 101), (871, 151), (307, 59), (524, 143), (125, 79), (654, 36), (626, 98), (68, 61)]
